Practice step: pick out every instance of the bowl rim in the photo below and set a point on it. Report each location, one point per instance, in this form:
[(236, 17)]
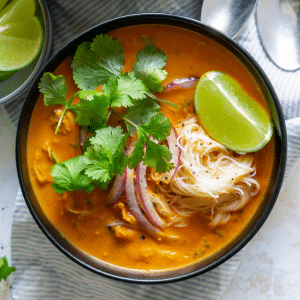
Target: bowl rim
[(158, 18), (43, 56)]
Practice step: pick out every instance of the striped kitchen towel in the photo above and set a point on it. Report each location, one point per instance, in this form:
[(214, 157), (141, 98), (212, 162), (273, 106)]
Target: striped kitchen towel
[(45, 273)]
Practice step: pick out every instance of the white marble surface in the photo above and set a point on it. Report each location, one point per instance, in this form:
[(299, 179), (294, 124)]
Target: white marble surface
[(271, 265)]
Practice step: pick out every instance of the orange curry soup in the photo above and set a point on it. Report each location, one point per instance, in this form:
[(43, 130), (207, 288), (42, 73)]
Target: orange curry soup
[(83, 218)]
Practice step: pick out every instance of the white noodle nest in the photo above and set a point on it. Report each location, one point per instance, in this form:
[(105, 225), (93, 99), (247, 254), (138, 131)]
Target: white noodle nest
[(211, 178)]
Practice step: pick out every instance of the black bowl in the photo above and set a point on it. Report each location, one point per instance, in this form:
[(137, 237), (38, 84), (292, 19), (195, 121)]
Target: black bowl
[(258, 218)]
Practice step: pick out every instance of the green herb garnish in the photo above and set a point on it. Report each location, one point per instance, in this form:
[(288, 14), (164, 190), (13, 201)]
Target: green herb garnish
[(5, 269), (99, 64), (149, 67), (94, 64), (124, 90), (105, 155), (140, 114), (91, 112), (70, 176), (157, 156)]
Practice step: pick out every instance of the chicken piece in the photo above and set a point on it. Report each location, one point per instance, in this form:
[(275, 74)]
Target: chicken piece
[(147, 253), (126, 215), (125, 233), (42, 165), (68, 122)]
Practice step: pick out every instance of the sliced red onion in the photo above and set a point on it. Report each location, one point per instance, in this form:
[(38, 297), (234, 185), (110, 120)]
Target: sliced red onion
[(83, 135), (175, 151), (182, 83), (117, 188), (145, 199), (134, 206)]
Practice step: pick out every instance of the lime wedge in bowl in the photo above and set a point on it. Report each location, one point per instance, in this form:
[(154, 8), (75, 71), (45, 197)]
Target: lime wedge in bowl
[(34, 44), (21, 35), (20, 43), (16, 11), (230, 115)]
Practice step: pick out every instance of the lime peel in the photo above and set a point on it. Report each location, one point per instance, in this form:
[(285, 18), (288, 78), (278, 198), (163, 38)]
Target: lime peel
[(6, 74), (2, 4), (230, 115)]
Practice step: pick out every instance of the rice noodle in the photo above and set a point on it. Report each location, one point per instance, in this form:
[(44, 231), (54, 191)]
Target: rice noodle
[(211, 179)]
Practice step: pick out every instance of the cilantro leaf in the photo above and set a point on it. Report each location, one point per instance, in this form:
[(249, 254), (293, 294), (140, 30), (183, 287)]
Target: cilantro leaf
[(137, 154), (141, 112), (5, 269), (124, 90), (110, 139), (158, 127), (116, 99), (54, 89), (86, 70), (149, 67), (98, 170), (105, 156), (92, 110), (95, 63), (69, 176), (156, 156), (110, 52), (131, 86)]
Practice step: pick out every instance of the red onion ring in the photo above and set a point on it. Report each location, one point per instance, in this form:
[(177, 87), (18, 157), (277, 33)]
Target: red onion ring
[(117, 188), (145, 199), (182, 83), (134, 206), (83, 135), (175, 151)]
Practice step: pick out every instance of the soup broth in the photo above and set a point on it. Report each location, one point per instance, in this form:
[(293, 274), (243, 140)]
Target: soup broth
[(85, 219)]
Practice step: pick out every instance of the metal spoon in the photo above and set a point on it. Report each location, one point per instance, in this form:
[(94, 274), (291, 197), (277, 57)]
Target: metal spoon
[(279, 29), (228, 16)]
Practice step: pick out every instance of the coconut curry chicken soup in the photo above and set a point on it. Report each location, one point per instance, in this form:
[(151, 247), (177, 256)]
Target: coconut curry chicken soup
[(123, 160)]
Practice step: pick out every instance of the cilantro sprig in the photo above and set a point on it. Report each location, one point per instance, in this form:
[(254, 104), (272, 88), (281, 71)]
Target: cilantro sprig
[(156, 156), (5, 269), (105, 156), (149, 67), (95, 63), (91, 112), (102, 160), (99, 64), (69, 176)]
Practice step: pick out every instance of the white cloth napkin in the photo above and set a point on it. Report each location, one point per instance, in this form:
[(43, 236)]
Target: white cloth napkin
[(45, 273)]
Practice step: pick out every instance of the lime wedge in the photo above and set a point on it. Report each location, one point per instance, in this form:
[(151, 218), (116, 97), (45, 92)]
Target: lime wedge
[(6, 74), (2, 3), (20, 43), (21, 35), (17, 11), (229, 115)]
